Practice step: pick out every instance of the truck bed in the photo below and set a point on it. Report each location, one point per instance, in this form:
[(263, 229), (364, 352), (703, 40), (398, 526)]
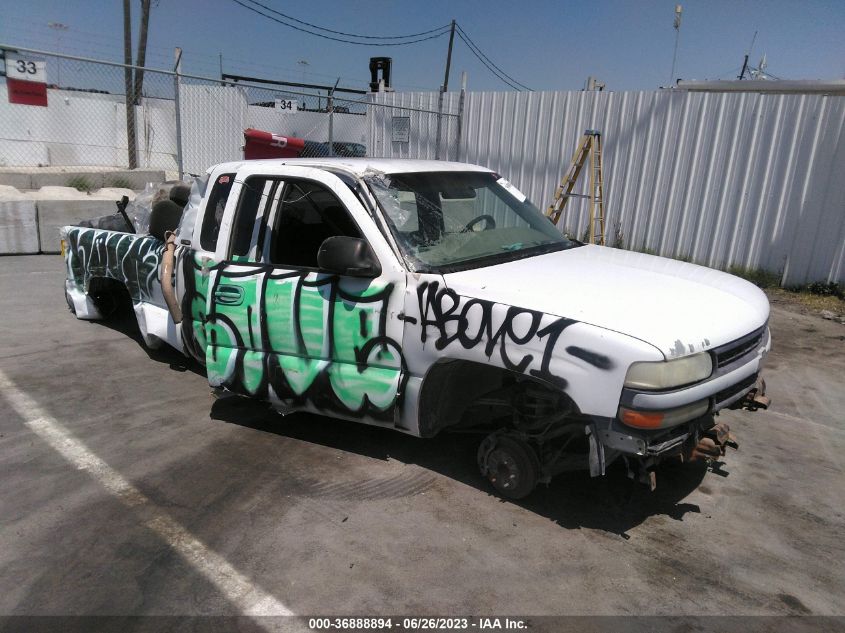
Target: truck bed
[(131, 259)]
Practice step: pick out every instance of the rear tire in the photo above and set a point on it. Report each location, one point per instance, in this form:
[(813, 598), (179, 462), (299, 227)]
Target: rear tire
[(510, 465)]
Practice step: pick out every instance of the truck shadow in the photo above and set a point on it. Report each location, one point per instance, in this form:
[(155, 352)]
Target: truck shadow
[(126, 323), (613, 503)]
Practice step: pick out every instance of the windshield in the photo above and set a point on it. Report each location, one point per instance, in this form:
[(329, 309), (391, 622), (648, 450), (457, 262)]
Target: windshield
[(444, 220)]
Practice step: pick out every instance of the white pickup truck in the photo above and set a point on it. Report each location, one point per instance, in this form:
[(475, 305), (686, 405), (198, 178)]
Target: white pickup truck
[(427, 296)]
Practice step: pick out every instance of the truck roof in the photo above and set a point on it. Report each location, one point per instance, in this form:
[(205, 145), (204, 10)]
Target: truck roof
[(359, 166)]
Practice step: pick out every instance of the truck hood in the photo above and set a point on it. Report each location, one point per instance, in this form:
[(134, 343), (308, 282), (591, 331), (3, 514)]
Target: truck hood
[(679, 308)]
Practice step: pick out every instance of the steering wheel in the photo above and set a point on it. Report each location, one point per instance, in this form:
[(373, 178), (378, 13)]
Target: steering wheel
[(489, 219)]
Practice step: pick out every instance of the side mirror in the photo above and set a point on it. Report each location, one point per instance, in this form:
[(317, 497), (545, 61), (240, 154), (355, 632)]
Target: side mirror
[(350, 256)]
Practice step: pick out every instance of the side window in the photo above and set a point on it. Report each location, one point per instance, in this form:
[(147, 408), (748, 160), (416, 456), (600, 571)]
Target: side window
[(214, 211), (307, 214), (255, 194)]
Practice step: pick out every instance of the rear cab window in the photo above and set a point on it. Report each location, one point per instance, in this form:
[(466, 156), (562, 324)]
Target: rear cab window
[(214, 211)]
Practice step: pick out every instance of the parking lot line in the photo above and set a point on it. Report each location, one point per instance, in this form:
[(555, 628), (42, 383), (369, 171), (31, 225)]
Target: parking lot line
[(237, 588)]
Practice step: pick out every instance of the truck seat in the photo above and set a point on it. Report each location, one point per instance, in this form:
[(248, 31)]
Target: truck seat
[(164, 217), (180, 193)]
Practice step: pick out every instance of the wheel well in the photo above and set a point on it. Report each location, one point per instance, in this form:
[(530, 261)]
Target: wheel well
[(469, 394), (110, 296)]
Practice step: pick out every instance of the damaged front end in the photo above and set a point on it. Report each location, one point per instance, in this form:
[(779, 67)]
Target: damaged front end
[(654, 424), (701, 439)]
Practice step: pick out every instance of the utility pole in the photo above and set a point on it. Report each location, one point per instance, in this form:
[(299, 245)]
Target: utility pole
[(127, 78), (449, 57), (142, 51), (678, 10), (443, 90)]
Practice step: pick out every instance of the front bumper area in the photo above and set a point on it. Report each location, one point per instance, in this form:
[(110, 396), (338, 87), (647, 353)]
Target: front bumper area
[(680, 422), (699, 438)]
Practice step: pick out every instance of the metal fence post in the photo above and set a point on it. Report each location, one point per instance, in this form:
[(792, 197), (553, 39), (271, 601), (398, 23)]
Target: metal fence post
[(330, 108), (439, 124), (178, 69)]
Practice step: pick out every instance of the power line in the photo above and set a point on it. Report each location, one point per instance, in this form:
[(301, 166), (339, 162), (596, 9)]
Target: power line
[(337, 39), (365, 37), (486, 64), (477, 51)]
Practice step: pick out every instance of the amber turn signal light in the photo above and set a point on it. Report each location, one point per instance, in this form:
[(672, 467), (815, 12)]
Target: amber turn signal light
[(642, 419)]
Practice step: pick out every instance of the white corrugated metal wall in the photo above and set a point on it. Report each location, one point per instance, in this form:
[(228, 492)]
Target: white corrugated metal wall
[(752, 180)]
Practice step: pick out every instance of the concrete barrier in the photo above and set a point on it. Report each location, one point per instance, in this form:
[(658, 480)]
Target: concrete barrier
[(15, 179), (137, 179), (54, 214), (130, 178), (91, 180), (18, 227)]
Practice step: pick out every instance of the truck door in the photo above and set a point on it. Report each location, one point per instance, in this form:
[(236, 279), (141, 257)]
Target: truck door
[(280, 328), (199, 263)]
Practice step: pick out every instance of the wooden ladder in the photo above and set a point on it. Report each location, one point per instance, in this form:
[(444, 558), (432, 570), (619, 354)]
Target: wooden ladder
[(588, 147)]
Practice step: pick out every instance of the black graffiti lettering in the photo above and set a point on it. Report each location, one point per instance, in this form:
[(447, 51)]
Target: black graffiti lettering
[(249, 326), (442, 310), (469, 339), (506, 332), (362, 319), (596, 360), (432, 301), (553, 332)]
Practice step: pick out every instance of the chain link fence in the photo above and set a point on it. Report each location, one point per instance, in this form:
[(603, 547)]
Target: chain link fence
[(184, 123)]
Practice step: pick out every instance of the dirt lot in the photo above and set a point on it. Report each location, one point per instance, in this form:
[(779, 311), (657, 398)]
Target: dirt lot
[(317, 516)]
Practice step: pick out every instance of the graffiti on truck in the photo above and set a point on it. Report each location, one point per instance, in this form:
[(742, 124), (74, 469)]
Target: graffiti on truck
[(473, 322), (125, 257), (307, 338), (298, 337)]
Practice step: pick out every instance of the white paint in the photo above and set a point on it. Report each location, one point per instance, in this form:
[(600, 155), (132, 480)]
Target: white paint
[(83, 306), (657, 300), (356, 166), (516, 193), (237, 588), (157, 327)]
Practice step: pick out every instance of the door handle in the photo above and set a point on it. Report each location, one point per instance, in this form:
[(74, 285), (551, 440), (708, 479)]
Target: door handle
[(229, 295)]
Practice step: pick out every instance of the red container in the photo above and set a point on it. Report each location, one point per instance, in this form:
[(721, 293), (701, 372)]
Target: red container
[(260, 144)]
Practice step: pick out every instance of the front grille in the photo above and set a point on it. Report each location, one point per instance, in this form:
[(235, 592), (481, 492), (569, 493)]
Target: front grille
[(727, 354), (740, 387)]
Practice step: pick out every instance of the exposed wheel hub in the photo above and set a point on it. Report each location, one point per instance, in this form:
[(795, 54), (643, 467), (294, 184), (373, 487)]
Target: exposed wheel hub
[(502, 470), (509, 463)]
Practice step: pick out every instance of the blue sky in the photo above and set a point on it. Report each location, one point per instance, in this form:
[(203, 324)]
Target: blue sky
[(543, 44)]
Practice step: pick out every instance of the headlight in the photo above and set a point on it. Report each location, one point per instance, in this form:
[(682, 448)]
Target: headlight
[(667, 374)]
